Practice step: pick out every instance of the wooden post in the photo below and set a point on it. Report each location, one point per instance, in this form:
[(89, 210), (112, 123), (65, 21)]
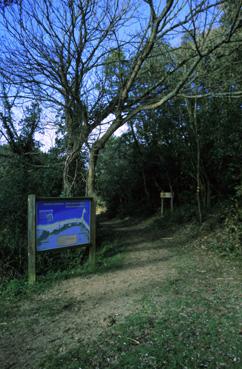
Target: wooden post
[(162, 208), (31, 240), (172, 203), (92, 248)]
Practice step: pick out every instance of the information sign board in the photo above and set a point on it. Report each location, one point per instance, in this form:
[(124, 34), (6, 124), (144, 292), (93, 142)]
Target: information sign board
[(56, 223), (62, 223)]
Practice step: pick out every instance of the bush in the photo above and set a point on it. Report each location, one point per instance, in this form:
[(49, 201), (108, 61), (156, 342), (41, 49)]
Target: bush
[(19, 176), (222, 232)]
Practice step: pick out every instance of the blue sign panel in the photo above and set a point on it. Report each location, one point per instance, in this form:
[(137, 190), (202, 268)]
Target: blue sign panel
[(62, 223)]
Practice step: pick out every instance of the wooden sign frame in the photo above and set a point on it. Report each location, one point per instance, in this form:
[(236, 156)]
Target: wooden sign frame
[(32, 217), (166, 195)]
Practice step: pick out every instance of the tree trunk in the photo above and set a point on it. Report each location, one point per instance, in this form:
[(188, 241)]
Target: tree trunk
[(77, 135), (198, 162), (91, 178), (97, 146), (208, 191), (70, 173), (192, 113), (141, 157)]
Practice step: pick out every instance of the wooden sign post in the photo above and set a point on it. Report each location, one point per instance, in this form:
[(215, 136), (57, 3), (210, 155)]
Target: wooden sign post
[(166, 195), (92, 247), (57, 223), (31, 239)]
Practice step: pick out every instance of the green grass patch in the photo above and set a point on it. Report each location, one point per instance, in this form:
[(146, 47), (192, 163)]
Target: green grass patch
[(17, 290), (190, 322)]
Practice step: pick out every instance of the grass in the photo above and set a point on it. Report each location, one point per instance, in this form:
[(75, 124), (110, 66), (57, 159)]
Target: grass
[(19, 289), (191, 322)]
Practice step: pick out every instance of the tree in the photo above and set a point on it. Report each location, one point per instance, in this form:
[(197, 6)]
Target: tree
[(57, 50), (20, 136), (24, 169)]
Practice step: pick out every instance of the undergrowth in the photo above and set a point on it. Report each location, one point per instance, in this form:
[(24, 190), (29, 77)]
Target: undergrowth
[(18, 288)]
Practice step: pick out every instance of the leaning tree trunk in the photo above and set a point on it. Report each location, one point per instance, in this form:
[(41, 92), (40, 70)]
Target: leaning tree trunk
[(97, 146)]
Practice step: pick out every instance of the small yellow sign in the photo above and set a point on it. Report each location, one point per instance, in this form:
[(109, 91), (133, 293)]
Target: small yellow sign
[(166, 195), (67, 240)]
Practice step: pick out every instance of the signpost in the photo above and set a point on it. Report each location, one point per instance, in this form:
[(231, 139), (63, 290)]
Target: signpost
[(31, 239), (166, 195), (56, 223)]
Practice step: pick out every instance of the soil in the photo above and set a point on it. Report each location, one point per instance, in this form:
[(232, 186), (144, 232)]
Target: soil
[(79, 309)]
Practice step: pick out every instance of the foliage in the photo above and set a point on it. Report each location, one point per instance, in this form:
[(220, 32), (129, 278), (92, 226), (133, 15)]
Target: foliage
[(54, 268), (121, 169), (158, 152), (19, 177), (222, 232)]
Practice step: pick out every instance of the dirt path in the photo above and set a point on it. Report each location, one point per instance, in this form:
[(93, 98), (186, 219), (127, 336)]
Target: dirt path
[(79, 309)]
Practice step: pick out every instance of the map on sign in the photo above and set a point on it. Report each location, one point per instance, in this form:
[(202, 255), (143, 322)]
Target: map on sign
[(62, 223)]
